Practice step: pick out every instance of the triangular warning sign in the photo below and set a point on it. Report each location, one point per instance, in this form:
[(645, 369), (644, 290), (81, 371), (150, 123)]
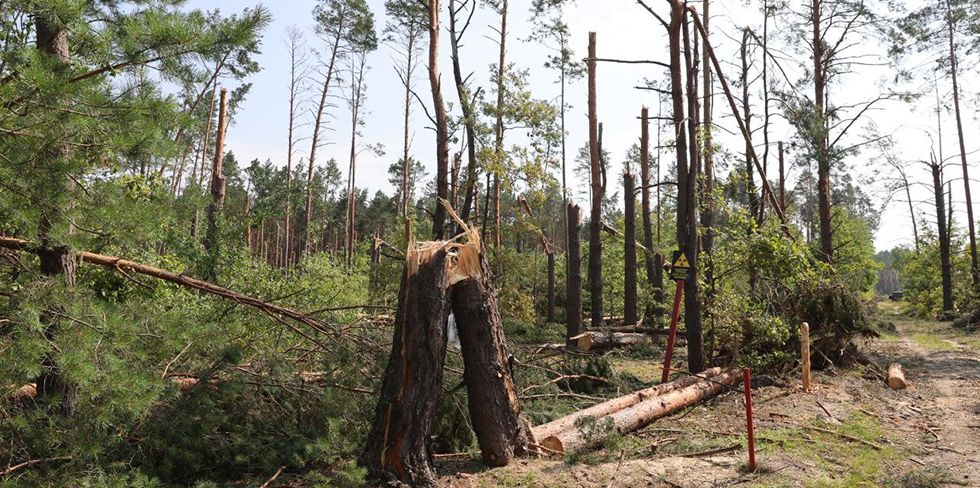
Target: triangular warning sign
[(681, 261)]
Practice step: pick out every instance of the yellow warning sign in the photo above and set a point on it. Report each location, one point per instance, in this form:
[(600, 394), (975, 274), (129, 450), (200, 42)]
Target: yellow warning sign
[(680, 266), (681, 261)]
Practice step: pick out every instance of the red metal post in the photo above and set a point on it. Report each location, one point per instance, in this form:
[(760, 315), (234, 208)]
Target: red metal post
[(674, 317), (747, 382)]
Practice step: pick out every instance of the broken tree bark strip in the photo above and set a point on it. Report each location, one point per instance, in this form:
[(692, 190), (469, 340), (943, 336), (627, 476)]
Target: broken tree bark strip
[(741, 124), (493, 404), (595, 340), (398, 445), (552, 428), (640, 414), (124, 265), (896, 377)]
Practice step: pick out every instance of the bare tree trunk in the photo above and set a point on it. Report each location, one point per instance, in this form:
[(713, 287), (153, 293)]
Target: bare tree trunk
[(944, 247), (782, 180), (630, 312), (687, 180), (398, 444), (357, 92), (406, 165), (469, 115), (442, 125), (217, 176), (493, 404), (295, 65), (708, 205), (550, 310), (765, 106), (314, 143), (971, 225), (823, 152), (499, 128), (595, 218), (573, 278), (645, 192)]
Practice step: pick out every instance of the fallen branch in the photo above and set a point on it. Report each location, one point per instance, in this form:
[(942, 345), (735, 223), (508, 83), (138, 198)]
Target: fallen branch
[(709, 452), (120, 265), (33, 462)]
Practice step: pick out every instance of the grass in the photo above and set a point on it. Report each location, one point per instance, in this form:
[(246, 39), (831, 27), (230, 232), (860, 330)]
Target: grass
[(931, 341), (853, 463)]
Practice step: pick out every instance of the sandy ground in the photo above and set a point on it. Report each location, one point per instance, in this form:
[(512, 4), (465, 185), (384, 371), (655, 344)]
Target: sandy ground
[(850, 430)]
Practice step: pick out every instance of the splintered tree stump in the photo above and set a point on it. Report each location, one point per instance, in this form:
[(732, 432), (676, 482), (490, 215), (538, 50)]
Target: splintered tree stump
[(896, 377), (398, 445), (493, 403)]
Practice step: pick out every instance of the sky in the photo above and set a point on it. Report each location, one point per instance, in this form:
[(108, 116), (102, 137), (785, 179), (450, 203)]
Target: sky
[(624, 31)]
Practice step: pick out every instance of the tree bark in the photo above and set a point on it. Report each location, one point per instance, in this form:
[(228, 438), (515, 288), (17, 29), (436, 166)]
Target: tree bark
[(550, 310), (945, 268), (567, 422), (640, 414), (397, 447), (595, 218), (469, 116), (782, 179), (971, 225), (217, 176), (823, 152), (442, 125), (306, 248), (645, 193), (630, 311), (493, 404), (56, 262), (692, 299), (573, 278), (499, 127), (406, 164)]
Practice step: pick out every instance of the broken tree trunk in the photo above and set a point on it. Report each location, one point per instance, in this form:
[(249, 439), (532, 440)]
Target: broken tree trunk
[(493, 404), (638, 415), (556, 426), (550, 310), (896, 377), (398, 445)]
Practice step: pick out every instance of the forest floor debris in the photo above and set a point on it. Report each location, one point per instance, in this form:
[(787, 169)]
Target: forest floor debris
[(851, 430)]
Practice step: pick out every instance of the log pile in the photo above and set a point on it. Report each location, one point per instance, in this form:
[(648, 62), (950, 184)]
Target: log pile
[(594, 340), (631, 412)]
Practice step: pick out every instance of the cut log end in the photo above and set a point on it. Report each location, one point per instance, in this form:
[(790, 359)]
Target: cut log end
[(896, 377)]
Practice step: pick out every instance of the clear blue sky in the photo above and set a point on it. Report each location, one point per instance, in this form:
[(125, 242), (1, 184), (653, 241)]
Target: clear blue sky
[(625, 31)]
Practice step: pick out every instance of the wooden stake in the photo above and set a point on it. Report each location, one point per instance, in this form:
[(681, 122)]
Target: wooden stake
[(805, 354), (747, 383)]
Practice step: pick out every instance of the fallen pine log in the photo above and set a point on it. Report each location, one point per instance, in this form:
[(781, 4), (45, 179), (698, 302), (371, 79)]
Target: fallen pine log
[(639, 329), (896, 377), (638, 415), (594, 340), (549, 429)]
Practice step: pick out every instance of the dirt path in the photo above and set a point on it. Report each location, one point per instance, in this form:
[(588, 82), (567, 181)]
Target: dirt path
[(943, 365), (850, 430)]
